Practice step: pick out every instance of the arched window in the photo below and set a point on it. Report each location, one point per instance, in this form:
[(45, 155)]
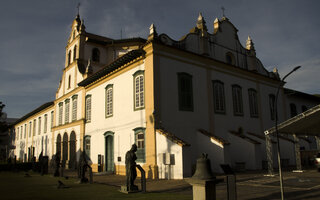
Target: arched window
[(109, 100), (293, 110), (237, 100), (138, 82), (75, 52), (253, 103), (304, 108), (272, 99), (218, 96), (69, 82), (95, 55), (185, 92), (88, 108), (87, 144), (74, 107), (140, 142), (69, 57), (230, 58)]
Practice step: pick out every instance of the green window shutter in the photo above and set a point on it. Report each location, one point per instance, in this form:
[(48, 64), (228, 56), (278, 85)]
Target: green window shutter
[(139, 134)]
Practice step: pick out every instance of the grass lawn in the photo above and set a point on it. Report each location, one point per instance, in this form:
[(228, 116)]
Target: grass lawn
[(16, 186)]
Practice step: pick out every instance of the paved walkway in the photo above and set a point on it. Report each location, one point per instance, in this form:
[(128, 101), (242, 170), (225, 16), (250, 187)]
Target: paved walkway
[(250, 185)]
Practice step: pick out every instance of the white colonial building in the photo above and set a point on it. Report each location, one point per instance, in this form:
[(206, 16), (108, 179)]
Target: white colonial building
[(174, 99)]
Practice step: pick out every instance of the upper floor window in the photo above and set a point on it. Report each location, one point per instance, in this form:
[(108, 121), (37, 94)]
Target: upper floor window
[(185, 92), (253, 103), (218, 97), (34, 126), (95, 55), (45, 123), (39, 125), (67, 109), (25, 131), (230, 58), (17, 133), (304, 108), (51, 119), (69, 82), (74, 52), (74, 107), (60, 112), (272, 99), (109, 100), (30, 127), (237, 100), (293, 110), (138, 78), (69, 57), (88, 108), (21, 132), (140, 142)]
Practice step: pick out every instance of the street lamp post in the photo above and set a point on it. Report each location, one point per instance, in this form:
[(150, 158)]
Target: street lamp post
[(276, 126)]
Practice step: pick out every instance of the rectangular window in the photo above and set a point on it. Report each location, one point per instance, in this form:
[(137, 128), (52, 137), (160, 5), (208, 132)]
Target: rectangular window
[(293, 110), (21, 132), (30, 127), (34, 126), (185, 92), (140, 142), (74, 107), (253, 103), (67, 108), (25, 131), (17, 134), (87, 145), (45, 123), (109, 100), (88, 108), (52, 119), (272, 99), (237, 100), (39, 126), (138, 90), (60, 112), (218, 97)]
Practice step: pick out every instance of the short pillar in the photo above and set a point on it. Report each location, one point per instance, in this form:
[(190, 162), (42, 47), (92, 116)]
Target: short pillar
[(203, 181), (297, 153), (269, 155)]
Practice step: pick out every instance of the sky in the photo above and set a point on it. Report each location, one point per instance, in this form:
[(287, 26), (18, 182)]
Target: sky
[(34, 33)]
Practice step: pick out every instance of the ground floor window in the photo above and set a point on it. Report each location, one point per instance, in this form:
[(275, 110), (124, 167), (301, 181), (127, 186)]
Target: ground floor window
[(139, 134)]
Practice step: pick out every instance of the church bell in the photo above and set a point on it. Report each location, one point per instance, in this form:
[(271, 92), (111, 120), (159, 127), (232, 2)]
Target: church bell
[(203, 169)]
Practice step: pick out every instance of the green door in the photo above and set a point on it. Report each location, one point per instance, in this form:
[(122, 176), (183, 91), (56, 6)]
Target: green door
[(109, 153)]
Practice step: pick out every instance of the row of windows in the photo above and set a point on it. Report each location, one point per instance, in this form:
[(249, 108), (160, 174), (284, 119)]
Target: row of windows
[(67, 110), (139, 135), (293, 109), (138, 82), (185, 95), (22, 130)]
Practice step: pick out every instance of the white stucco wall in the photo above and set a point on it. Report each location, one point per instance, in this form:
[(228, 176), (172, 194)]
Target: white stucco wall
[(123, 121), (175, 169)]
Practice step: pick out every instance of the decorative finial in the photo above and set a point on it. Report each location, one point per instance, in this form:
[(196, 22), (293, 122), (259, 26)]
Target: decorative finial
[(200, 16), (152, 32), (201, 25), (223, 9), (249, 44)]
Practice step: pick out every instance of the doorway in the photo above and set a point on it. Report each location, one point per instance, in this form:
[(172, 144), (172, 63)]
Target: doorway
[(109, 162)]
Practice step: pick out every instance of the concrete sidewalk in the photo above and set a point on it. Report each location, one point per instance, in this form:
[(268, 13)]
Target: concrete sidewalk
[(250, 185)]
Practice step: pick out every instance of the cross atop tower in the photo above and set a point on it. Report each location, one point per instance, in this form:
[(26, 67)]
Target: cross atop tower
[(223, 9)]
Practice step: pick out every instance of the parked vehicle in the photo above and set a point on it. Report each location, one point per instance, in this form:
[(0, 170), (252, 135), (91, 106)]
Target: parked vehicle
[(317, 161)]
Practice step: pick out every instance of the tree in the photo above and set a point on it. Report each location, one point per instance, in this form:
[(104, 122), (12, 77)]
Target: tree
[(3, 124)]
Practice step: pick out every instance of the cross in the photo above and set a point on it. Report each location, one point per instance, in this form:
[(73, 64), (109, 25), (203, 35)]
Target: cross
[(222, 8), (78, 6)]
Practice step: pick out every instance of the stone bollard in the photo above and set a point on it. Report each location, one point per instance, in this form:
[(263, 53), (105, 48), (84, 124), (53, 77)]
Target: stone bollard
[(203, 181)]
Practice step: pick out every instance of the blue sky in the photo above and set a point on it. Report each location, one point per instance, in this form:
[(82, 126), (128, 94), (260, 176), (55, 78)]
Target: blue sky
[(34, 34)]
